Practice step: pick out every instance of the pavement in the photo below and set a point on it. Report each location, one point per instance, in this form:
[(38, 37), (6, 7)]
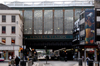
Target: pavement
[(35, 64), (85, 64), (6, 63), (53, 63), (75, 64)]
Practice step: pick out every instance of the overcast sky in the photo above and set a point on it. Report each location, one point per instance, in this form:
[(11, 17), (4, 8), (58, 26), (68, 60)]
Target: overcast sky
[(2, 1)]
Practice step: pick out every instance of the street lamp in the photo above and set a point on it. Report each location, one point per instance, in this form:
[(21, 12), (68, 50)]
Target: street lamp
[(23, 63), (46, 53)]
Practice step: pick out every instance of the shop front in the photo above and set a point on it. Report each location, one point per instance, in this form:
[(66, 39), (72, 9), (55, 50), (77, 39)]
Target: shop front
[(9, 50)]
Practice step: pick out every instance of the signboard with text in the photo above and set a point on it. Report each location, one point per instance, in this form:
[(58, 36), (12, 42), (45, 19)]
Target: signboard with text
[(48, 36)]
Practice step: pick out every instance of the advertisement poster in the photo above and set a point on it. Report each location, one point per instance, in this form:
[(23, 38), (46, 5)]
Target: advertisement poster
[(89, 26)]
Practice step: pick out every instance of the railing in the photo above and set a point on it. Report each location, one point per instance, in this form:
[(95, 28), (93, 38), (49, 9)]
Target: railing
[(49, 3)]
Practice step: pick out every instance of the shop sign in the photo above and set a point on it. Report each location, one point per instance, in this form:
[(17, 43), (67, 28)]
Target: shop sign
[(89, 49), (9, 47), (49, 36)]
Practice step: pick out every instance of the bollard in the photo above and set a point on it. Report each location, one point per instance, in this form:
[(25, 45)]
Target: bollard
[(23, 63), (80, 62), (90, 63)]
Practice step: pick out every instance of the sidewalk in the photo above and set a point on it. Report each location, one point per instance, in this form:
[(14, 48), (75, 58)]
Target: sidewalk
[(35, 64), (83, 64)]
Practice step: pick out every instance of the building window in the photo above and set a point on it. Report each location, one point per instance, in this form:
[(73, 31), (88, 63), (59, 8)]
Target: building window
[(13, 29), (82, 15), (12, 40), (82, 38), (98, 13), (98, 24), (4, 40), (82, 27), (3, 29), (3, 18), (13, 19)]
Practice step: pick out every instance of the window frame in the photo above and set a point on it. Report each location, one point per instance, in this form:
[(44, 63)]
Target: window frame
[(98, 13), (12, 30), (2, 39), (2, 30), (13, 18), (12, 39), (3, 18)]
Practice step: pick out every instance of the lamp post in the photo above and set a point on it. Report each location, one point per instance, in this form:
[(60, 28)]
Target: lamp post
[(13, 50), (23, 63), (46, 53), (24, 47)]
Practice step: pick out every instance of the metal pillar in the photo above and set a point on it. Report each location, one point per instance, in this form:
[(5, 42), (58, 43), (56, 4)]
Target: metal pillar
[(78, 54), (95, 54), (85, 56), (7, 55), (46, 53)]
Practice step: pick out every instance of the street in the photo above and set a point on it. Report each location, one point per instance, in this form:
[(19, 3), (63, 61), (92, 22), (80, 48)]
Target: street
[(53, 63), (49, 63), (56, 63)]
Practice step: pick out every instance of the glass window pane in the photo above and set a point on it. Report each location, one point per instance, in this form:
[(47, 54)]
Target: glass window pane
[(4, 40), (13, 29), (58, 22), (38, 22), (21, 13), (3, 18), (28, 22), (13, 19), (98, 13), (3, 29), (48, 22), (77, 13), (68, 21), (12, 40)]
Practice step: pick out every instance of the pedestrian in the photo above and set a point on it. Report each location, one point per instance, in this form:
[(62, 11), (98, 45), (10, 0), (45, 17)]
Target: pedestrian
[(17, 61), (12, 61), (10, 57), (73, 57), (66, 57), (82, 58), (87, 59)]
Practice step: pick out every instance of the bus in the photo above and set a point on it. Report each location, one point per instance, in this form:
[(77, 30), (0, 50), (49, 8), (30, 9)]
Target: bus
[(1, 56)]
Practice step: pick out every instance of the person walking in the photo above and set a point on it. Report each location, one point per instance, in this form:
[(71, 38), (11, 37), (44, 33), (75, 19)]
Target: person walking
[(87, 59), (66, 57), (17, 61), (82, 58), (10, 57), (12, 61)]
